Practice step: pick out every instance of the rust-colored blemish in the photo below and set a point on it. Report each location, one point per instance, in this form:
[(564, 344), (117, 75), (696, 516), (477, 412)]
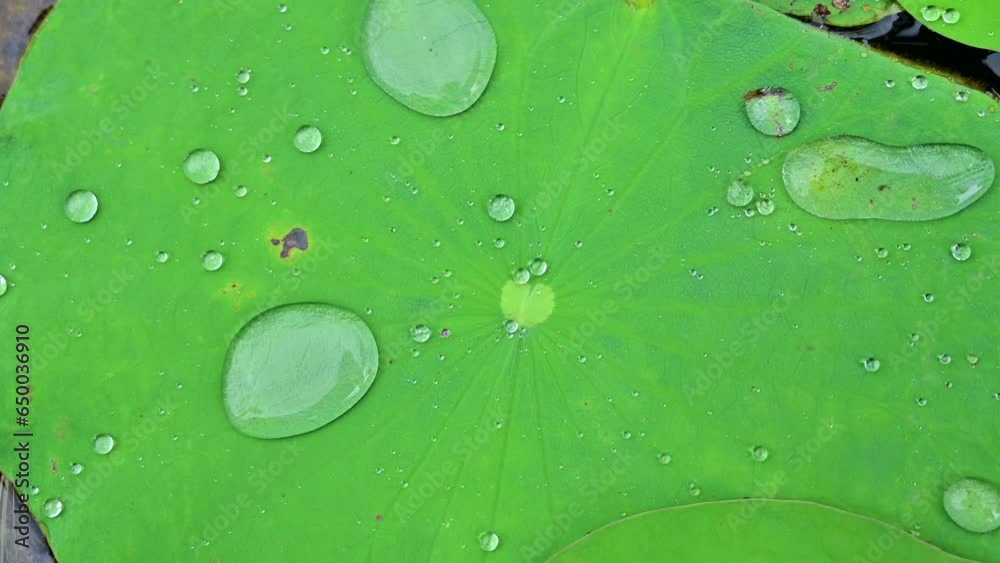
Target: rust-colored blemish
[(296, 238)]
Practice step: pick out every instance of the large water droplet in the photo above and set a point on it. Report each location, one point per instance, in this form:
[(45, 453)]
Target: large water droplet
[(433, 56), (202, 166), (522, 276), (759, 453), (81, 206), (739, 194), (3, 284), (772, 111), (296, 368), (104, 443), (961, 251), (951, 15), (538, 267), (973, 504), (308, 138), (855, 178), (420, 333), (500, 207), (212, 260), (919, 82), (931, 13), (76, 469), (52, 508), (871, 365), (489, 541)]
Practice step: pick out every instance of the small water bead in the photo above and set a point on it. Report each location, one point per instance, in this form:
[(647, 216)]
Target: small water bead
[(243, 76), (201, 166), (972, 359), (881, 252), (664, 458), (394, 140), (931, 13), (420, 333), (951, 15), (162, 257), (961, 251), (511, 326), (499, 243), (212, 260), (765, 206), (538, 267), (772, 111), (489, 541), (973, 504), (928, 297), (582, 359), (308, 138), (759, 453), (872, 365), (282, 8), (522, 276), (627, 435), (500, 207), (919, 82), (240, 191), (962, 96), (52, 508), (694, 489), (81, 206), (945, 359), (3, 285), (103, 444), (739, 194), (921, 402), (890, 83), (76, 469)]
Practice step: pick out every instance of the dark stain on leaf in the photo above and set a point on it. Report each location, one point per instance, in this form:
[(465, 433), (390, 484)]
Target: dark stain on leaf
[(296, 238)]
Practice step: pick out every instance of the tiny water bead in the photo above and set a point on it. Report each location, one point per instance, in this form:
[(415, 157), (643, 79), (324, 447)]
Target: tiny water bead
[(522, 276), (765, 206), (871, 365), (928, 298), (500, 207), (890, 83), (489, 541), (103, 444), (739, 194), (420, 333), (435, 56), (973, 504), (243, 76), (202, 166), (212, 260), (308, 138), (664, 458), (961, 96), (240, 191), (931, 13), (76, 469), (951, 15), (919, 82), (759, 453), (945, 359), (772, 111), (81, 206), (52, 508), (961, 251), (855, 178), (538, 267), (881, 252), (162, 257), (511, 326), (296, 368)]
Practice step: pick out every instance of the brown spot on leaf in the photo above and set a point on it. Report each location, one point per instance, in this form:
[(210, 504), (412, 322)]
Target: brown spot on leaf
[(842, 4), (820, 12), (296, 238)]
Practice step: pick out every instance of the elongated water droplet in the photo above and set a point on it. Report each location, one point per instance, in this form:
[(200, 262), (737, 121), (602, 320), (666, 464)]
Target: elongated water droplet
[(52, 508), (308, 138), (420, 333), (202, 166), (772, 111), (212, 260), (739, 194), (489, 541), (296, 368), (81, 206), (961, 251), (500, 207), (434, 56), (855, 178), (103, 444), (973, 504)]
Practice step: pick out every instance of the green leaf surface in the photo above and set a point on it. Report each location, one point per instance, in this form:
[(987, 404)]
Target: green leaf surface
[(978, 21), (751, 531), (842, 13), (667, 322)]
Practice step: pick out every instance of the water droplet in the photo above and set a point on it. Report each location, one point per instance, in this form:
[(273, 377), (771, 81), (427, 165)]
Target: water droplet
[(972, 359), (945, 359), (759, 453), (765, 206), (962, 96), (921, 402), (919, 82), (420, 333), (881, 252), (162, 257), (202, 166), (522, 276), (961, 251), (500, 207), (951, 15), (76, 469), (627, 435), (434, 57), (282, 8), (739, 194), (538, 267), (973, 504), (212, 260), (81, 206), (928, 297), (240, 191), (308, 138), (103, 444), (931, 13), (296, 368), (3, 285), (511, 326), (890, 83), (664, 458), (52, 508), (694, 489), (872, 365), (772, 111), (855, 178), (583, 360), (489, 541), (243, 76), (499, 243)]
